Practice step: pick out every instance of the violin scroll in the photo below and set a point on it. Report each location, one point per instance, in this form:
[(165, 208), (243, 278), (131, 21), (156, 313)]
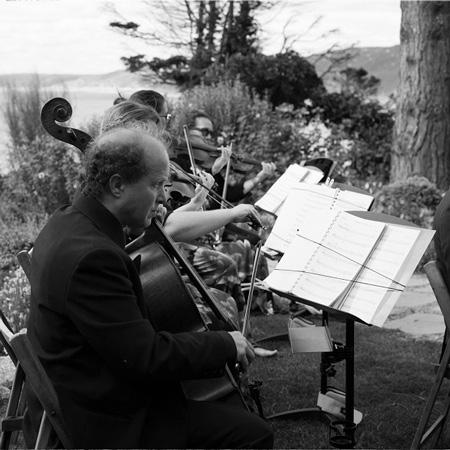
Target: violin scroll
[(58, 109)]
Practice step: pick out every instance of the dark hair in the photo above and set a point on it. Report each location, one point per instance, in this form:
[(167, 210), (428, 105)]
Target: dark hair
[(149, 98), (194, 115), (119, 151)]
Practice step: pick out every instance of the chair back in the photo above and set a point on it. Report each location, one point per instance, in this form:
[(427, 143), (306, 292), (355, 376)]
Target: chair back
[(29, 368), (440, 289), (326, 165), (41, 385), (24, 258)]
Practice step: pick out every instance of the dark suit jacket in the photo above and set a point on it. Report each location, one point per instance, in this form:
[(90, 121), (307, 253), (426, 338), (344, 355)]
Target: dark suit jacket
[(116, 377)]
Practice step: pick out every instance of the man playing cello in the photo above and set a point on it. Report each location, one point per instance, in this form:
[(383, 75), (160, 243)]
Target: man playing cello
[(117, 379)]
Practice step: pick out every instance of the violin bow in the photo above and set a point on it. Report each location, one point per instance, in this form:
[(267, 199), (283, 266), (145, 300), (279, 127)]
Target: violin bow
[(248, 306), (254, 386), (189, 148)]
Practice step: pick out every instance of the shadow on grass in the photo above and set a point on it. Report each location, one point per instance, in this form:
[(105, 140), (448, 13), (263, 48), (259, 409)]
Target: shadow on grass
[(393, 377)]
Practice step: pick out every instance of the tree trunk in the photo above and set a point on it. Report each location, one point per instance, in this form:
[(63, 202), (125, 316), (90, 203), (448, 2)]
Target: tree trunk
[(422, 130)]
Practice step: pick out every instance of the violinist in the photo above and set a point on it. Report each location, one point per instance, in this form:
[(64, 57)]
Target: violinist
[(201, 132), (116, 377)]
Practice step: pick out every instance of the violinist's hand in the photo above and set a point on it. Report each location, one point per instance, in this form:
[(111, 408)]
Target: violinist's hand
[(207, 181), (245, 350), (161, 212), (245, 213), (222, 160), (267, 170)]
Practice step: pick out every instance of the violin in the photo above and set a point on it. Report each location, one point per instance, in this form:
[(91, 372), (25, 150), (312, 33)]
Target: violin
[(213, 195), (168, 310), (205, 155)]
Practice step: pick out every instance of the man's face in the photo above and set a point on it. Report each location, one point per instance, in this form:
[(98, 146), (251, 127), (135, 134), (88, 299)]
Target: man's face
[(204, 128), (140, 201)]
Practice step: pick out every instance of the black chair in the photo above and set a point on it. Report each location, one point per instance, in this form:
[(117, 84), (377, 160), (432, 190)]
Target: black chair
[(326, 165), (432, 434)]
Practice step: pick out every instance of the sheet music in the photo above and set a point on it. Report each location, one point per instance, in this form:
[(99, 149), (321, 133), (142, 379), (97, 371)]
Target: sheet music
[(390, 267), (365, 263), (304, 200), (314, 266), (276, 195)]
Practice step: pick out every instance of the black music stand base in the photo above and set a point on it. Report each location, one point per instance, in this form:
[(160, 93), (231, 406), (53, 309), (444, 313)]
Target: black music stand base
[(346, 353)]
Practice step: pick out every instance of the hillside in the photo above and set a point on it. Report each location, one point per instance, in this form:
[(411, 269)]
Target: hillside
[(382, 62)]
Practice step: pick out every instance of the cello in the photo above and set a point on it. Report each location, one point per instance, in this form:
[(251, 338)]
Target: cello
[(160, 277)]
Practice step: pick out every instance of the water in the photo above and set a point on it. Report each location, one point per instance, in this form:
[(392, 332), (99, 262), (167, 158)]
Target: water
[(85, 103)]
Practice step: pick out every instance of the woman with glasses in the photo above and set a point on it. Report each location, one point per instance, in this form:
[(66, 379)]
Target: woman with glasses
[(235, 241)]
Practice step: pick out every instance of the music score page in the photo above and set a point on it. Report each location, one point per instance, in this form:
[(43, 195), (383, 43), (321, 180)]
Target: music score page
[(272, 200), (303, 201), (325, 256), (351, 264)]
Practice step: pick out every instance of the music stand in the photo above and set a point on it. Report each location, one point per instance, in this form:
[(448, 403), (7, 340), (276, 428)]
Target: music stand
[(346, 353)]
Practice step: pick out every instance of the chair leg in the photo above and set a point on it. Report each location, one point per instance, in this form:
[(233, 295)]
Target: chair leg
[(45, 430), (421, 436)]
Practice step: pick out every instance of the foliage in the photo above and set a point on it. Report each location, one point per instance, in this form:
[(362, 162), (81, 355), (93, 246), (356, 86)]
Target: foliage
[(369, 126), (284, 135), (43, 169), (415, 200), (207, 32), (17, 235), (357, 82), (15, 299), (282, 78)]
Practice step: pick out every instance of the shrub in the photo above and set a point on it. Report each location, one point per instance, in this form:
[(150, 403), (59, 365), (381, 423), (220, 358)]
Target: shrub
[(283, 135), (15, 299), (414, 199), (369, 126), (17, 235)]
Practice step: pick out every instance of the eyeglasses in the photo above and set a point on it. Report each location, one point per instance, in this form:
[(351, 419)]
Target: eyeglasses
[(205, 131), (168, 117)]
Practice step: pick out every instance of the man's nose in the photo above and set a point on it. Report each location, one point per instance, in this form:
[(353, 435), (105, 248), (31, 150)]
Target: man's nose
[(162, 195)]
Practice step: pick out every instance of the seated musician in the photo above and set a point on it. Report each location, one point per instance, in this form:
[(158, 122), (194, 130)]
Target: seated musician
[(201, 132), (117, 378)]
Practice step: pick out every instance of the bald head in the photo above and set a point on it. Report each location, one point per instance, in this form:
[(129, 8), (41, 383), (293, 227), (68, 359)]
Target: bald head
[(129, 153)]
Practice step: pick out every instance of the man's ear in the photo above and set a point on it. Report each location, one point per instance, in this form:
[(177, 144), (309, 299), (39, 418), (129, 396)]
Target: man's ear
[(116, 185)]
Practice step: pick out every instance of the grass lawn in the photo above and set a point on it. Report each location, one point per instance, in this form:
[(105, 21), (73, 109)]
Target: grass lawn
[(393, 377)]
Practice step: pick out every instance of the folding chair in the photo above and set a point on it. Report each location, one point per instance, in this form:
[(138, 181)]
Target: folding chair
[(432, 434), (30, 368), (11, 424)]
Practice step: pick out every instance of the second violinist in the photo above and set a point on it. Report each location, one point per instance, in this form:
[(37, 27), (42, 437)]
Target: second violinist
[(237, 241)]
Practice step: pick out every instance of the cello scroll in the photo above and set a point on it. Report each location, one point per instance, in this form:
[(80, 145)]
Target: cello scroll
[(58, 109)]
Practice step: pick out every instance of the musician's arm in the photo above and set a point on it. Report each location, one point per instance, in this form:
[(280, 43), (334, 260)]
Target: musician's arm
[(189, 225), (267, 170)]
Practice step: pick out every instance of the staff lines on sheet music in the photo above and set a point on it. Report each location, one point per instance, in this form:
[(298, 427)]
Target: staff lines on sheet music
[(352, 260)]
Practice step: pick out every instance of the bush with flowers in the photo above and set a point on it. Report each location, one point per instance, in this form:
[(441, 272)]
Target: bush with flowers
[(15, 294)]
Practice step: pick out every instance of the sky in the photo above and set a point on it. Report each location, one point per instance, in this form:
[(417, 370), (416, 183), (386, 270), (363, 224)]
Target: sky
[(73, 36)]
